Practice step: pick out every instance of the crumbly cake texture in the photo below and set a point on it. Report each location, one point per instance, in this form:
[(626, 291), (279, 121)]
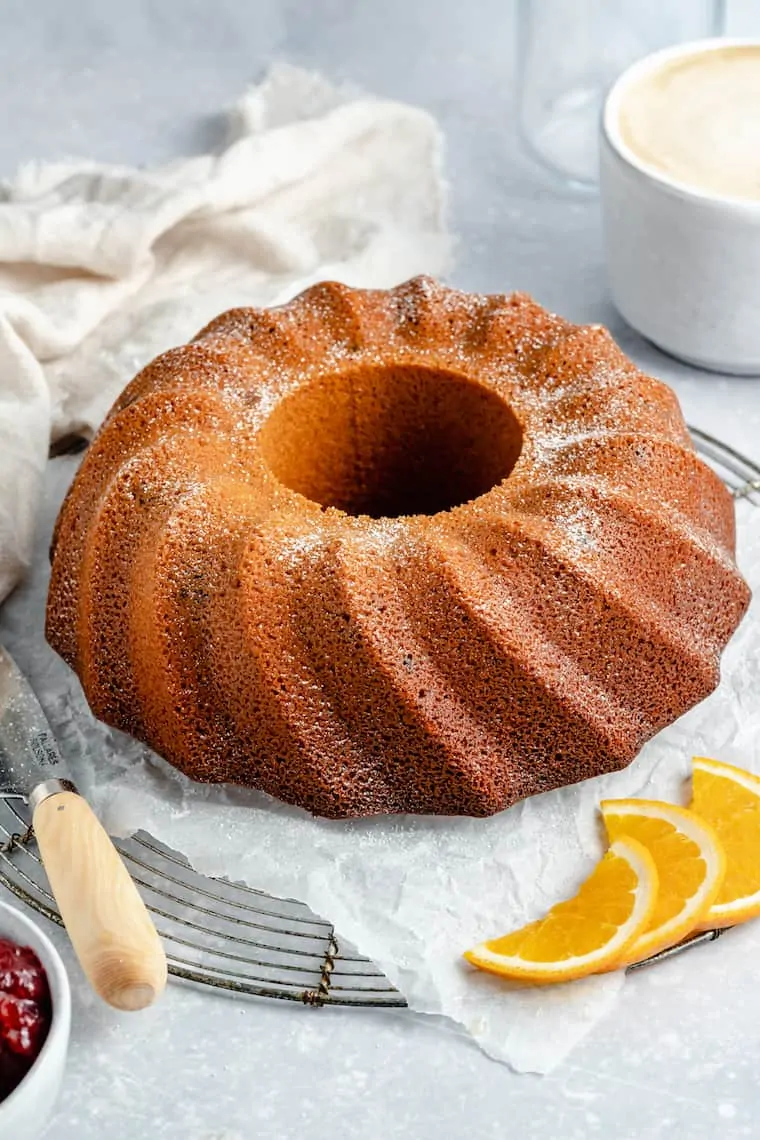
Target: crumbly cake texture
[(413, 550)]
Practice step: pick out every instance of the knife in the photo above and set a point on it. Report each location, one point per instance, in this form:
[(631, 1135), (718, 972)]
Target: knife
[(107, 921)]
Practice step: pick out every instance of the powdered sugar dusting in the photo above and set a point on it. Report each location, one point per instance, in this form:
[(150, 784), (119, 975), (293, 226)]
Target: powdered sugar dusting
[(579, 526), (298, 549), (352, 620)]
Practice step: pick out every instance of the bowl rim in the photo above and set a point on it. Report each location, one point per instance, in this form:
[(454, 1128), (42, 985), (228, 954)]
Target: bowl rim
[(60, 994), (610, 128)]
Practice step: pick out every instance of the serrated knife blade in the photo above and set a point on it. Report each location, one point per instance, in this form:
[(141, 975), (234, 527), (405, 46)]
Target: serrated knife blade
[(29, 754), (106, 919)]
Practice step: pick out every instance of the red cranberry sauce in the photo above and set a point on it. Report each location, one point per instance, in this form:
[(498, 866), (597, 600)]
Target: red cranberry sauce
[(25, 1013)]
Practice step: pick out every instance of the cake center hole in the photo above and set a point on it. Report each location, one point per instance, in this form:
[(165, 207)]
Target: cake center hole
[(392, 441)]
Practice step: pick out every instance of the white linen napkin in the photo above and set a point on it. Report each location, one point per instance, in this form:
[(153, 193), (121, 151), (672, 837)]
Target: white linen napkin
[(103, 267)]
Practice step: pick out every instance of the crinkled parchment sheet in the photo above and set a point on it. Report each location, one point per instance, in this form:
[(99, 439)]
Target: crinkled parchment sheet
[(410, 892)]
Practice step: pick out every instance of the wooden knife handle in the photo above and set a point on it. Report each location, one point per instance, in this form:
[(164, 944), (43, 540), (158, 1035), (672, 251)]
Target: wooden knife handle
[(109, 926)]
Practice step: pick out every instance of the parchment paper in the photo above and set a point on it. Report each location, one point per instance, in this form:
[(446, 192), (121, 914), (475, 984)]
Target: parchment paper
[(410, 892)]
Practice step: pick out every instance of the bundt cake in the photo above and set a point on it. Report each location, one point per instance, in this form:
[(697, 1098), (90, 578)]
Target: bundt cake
[(411, 550)]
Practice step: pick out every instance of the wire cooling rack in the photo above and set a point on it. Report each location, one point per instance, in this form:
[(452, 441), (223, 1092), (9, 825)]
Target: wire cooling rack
[(215, 932), (235, 938)]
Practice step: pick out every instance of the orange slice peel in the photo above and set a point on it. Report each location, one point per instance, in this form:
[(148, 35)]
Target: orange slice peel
[(690, 863), (586, 934), (728, 798)]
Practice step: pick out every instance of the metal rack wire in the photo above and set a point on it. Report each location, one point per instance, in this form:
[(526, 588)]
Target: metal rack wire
[(741, 475), (235, 938), (216, 933)]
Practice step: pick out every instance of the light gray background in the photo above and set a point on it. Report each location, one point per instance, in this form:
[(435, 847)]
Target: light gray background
[(141, 82)]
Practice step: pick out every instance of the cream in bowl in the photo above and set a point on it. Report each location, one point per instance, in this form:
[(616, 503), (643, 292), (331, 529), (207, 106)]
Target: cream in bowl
[(696, 120), (680, 186)]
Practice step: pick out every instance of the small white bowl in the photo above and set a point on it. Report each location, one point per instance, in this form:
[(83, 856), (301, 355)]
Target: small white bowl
[(683, 264), (26, 1112)]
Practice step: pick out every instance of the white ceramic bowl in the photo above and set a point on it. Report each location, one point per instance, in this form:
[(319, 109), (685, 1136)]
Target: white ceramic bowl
[(683, 265), (26, 1112)]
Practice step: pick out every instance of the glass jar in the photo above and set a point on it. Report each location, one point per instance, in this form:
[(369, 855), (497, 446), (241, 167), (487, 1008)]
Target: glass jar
[(570, 52)]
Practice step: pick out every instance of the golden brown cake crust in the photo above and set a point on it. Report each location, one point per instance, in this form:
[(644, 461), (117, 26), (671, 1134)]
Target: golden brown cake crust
[(390, 551)]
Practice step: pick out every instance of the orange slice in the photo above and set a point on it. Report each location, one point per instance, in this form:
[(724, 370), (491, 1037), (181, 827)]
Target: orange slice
[(729, 799), (586, 933), (690, 867)]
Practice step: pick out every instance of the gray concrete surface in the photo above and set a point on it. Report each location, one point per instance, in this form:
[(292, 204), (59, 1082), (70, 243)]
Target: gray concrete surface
[(140, 82)]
